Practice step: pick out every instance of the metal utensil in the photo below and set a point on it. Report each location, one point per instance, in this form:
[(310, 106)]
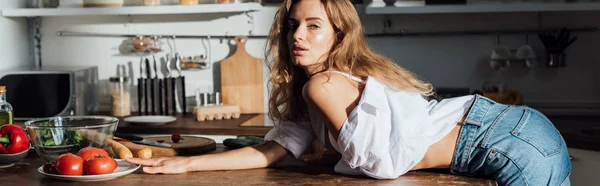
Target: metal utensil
[(152, 90), (161, 111), (140, 86), (148, 75), (184, 104), (174, 81), (182, 80), (167, 77)]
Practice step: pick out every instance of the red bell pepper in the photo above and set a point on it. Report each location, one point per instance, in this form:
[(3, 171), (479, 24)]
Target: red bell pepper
[(13, 139)]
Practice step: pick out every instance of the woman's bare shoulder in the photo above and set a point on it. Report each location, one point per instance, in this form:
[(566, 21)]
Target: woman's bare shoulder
[(331, 87)]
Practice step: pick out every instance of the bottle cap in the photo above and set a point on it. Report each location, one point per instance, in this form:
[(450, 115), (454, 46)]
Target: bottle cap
[(2, 89)]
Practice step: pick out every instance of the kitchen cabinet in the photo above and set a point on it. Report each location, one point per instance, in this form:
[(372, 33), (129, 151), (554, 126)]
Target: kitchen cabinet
[(480, 6), (132, 10)]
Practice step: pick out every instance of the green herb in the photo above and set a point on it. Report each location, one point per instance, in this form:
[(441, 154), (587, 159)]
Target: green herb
[(58, 137)]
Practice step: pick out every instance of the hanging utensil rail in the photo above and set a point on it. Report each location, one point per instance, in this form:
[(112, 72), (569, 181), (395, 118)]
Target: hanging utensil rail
[(402, 33)]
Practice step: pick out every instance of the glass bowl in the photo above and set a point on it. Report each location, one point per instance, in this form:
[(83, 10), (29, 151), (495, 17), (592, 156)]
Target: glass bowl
[(52, 137)]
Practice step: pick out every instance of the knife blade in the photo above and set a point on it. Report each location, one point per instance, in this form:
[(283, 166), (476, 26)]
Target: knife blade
[(141, 140), (151, 90), (146, 85)]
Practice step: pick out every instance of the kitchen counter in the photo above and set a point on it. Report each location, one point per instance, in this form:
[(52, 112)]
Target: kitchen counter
[(25, 173), (582, 132), (246, 125), (189, 125)]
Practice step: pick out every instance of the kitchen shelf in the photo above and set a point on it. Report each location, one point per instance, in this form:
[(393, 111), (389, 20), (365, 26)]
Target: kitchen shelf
[(478, 6), (132, 10)]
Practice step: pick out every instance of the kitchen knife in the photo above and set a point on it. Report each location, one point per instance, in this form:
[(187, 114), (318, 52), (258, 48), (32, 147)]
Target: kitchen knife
[(151, 82), (167, 78), (140, 94), (184, 104), (140, 140), (176, 106), (146, 98), (160, 96), (159, 81), (140, 87)]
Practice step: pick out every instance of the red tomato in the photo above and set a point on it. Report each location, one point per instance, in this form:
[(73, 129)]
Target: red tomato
[(102, 165), (91, 152), (50, 168), (175, 138), (69, 164)]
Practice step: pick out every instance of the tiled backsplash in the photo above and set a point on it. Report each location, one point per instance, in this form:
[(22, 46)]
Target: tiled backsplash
[(446, 61)]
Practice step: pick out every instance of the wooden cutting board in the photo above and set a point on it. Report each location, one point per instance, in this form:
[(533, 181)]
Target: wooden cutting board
[(187, 146), (242, 79)]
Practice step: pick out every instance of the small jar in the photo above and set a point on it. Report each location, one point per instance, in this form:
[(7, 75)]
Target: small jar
[(151, 2), (140, 44), (188, 2), (120, 96)]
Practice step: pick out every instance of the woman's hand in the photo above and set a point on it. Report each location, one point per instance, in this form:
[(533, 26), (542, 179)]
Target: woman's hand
[(165, 165)]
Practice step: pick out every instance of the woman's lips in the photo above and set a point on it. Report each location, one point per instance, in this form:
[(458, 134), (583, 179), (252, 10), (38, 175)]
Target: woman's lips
[(299, 50)]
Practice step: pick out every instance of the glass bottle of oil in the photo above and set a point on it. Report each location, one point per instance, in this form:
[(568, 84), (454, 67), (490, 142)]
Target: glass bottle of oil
[(6, 110)]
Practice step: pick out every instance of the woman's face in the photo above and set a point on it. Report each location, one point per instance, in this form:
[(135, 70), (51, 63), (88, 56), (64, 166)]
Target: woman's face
[(310, 35)]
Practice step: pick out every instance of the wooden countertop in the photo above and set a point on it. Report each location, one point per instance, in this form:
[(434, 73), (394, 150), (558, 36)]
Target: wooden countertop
[(25, 173), (581, 132), (189, 125), (246, 125)]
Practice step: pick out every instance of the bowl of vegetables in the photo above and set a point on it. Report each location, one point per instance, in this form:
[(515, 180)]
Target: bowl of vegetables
[(14, 144), (54, 136)]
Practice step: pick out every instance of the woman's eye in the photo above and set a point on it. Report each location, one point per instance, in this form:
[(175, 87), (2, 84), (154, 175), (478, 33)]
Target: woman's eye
[(292, 26), (313, 27)]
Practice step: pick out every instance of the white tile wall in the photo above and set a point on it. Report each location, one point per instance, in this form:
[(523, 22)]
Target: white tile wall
[(446, 61), (14, 43)]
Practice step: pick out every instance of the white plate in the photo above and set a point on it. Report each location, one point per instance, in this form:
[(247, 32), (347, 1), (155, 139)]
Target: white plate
[(123, 169), (150, 120)]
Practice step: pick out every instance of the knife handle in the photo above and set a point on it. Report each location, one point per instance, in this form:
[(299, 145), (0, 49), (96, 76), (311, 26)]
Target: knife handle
[(184, 104), (173, 84), (145, 96), (140, 93), (160, 96), (127, 136), (152, 95), (166, 87)]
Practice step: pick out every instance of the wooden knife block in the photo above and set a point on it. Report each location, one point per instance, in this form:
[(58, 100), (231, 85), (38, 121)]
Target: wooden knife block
[(217, 112)]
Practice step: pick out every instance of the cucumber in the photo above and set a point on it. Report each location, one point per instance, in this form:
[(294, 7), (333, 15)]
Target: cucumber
[(254, 139), (236, 143)]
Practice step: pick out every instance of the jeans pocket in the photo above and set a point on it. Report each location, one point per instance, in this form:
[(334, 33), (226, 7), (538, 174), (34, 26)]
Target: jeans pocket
[(535, 129)]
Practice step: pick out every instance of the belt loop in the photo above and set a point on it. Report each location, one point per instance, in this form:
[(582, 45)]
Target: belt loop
[(478, 110)]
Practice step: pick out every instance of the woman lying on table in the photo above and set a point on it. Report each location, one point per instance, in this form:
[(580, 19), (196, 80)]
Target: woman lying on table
[(327, 84)]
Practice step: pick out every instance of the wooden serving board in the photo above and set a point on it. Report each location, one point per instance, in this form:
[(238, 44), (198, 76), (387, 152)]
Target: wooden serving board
[(242, 80), (188, 145)]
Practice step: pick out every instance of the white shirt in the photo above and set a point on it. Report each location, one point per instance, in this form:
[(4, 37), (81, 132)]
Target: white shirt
[(386, 134)]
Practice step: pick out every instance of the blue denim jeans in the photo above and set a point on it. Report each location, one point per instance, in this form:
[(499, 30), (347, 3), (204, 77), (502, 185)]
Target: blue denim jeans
[(514, 145)]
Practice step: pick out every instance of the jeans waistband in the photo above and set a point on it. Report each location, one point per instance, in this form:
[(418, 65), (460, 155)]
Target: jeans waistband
[(478, 110), (468, 132)]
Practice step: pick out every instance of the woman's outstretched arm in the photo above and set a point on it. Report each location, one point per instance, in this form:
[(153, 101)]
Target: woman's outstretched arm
[(257, 156)]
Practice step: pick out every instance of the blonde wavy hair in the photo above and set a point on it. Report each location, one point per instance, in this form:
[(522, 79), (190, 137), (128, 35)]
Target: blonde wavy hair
[(349, 53)]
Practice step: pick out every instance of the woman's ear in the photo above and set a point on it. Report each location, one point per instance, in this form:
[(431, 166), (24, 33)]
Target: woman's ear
[(338, 38)]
